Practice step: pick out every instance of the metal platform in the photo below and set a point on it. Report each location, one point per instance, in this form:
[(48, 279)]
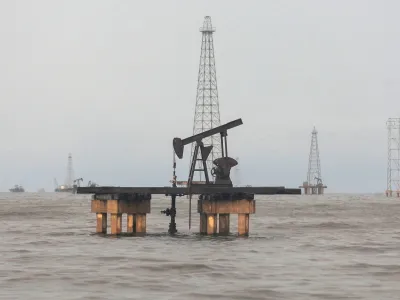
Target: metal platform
[(194, 189)]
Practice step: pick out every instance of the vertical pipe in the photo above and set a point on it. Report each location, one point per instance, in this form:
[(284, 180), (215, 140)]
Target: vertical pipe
[(226, 144), (172, 224), (222, 145)]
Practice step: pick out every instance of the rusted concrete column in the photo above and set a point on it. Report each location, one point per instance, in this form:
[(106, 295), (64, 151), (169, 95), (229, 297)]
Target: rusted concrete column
[(224, 222), (320, 190), (116, 223), (140, 223), (225, 207), (203, 223), (211, 223), (101, 226), (243, 224), (131, 223)]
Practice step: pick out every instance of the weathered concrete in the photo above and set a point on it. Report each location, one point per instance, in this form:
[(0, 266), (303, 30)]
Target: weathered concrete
[(121, 206), (224, 223), (243, 224), (116, 223), (226, 206), (223, 208), (131, 223), (203, 223), (101, 226), (211, 224), (135, 206), (140, 223)]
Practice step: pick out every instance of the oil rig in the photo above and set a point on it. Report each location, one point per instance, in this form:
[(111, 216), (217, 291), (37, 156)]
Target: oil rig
[(68, 186), (217, 197), (314, 184)]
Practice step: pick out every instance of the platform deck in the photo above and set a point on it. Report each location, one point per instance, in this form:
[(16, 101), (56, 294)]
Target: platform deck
[(195, 189)]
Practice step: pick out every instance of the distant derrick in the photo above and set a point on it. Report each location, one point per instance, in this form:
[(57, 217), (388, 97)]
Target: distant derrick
[(69, 180), (314, 184), (70, 173), (393, 164)]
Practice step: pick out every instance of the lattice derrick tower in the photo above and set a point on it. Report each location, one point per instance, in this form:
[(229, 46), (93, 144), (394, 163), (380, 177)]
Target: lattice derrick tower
[(206, 114), (393, 163), (314, 165), (70, 172)]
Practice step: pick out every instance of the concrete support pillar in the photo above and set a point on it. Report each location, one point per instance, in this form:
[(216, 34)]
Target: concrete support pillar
[(211, 223), (116, 223), (203, 223), (101, 226), (131, 223), (224, 223), (320, 190), (140, 223), (243, 224), (210, 209)]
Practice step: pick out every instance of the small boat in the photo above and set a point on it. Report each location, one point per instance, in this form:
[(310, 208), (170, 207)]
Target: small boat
[(17, 189)]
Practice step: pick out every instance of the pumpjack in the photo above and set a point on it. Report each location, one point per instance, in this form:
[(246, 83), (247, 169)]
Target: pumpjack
[(220, 188)]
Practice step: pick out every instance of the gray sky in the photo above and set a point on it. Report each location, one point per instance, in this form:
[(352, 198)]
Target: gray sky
[(113, 82)]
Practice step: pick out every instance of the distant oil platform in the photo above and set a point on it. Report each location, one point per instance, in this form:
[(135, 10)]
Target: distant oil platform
[(314, 184), (68, 184), (71, 183)]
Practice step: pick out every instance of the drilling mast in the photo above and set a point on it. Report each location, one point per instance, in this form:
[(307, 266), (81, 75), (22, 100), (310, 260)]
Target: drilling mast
[(314, 184), (70, 173), (206, 114), (393, 163)]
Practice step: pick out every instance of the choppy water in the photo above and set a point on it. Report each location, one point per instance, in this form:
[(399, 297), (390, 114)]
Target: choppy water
[(300, 247)]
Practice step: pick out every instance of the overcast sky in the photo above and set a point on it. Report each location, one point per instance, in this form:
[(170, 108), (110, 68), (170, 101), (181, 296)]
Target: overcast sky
[(113, 82)]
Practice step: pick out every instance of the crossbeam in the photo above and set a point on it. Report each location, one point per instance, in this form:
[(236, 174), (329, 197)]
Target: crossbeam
[(195, 189)]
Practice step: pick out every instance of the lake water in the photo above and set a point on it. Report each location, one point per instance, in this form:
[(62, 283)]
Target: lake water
[(300, 247)]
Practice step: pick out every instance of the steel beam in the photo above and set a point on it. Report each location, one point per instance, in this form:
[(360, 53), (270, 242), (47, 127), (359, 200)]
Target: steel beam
[(195, 189)]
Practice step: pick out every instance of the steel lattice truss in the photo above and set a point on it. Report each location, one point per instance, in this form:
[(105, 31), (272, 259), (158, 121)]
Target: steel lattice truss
[(314, 166), (393, 164), (207, 107)]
